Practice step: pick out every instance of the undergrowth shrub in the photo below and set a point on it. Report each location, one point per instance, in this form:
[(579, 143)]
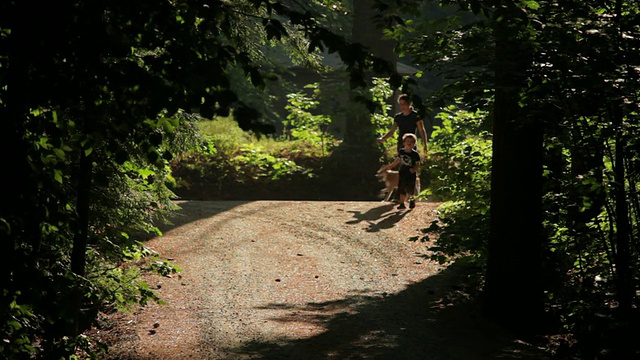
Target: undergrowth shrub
[(459, 170), (225, 133), (229, 158), (47, 304), (15, 322), (380, 93), (304, 124)]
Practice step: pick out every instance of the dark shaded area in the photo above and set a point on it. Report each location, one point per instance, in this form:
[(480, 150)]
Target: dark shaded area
[(436, 318), (190, 210)]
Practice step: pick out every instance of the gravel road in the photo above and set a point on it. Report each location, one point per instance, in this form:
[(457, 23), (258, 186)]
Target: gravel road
[(307, 280)]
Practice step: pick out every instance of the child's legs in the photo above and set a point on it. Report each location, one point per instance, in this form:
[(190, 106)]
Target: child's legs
[(406, 187)]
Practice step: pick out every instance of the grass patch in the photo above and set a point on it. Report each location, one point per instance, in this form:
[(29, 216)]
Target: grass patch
[(229, 138), (238, 164)]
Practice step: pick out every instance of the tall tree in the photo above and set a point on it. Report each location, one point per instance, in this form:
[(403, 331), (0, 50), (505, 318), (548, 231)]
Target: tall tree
[(371, 21), (485, 51), (513, 289), (368, 31)]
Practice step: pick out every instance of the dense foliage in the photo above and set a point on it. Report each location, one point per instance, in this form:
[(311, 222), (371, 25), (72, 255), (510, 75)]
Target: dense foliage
[(572, 74), (95, 99), (459, 170)]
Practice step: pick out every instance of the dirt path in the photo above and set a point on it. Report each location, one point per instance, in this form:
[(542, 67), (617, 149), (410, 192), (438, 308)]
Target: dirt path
[(307, 280)]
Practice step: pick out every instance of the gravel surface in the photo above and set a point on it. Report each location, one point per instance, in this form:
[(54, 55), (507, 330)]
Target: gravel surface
[(306, 280)]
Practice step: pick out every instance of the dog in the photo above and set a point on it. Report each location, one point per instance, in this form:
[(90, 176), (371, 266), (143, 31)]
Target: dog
[(390, 179)]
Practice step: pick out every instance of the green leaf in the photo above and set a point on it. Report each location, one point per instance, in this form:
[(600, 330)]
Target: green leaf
[(531, 4), (57, 175)]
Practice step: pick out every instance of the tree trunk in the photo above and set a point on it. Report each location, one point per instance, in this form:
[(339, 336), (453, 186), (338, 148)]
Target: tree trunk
[(513, 291), (79, 251), (625, 289), (20, 221), (366, 31), (624, 277)]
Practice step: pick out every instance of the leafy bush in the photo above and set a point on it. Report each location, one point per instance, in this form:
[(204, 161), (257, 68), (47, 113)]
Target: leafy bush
[(14, 328), (225, 133), (459, 170), (128, 197), (303, 124), (227, 156), (381, 92)]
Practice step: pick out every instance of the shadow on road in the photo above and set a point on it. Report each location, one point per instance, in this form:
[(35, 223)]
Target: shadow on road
[(370, 215), (190, 210), (433, 319), (378, 218)]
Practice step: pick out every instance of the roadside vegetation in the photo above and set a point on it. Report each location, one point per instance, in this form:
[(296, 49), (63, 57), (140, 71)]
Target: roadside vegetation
[(229, 162)]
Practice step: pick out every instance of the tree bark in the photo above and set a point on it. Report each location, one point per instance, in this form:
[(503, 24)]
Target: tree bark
[(366, 31), (513, 290), (79, 251), (20, 219), (624, 276)]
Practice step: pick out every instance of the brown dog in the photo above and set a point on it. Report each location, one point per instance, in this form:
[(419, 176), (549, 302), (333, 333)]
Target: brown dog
[(390, 179)]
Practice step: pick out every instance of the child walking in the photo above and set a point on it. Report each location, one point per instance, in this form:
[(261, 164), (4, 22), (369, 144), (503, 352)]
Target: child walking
[(409, 161)]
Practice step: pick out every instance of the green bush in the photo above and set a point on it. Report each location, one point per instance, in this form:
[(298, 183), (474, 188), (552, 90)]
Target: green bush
[(228, 156), (303, 124), (225, 133), (14, 328), (459, 171)]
